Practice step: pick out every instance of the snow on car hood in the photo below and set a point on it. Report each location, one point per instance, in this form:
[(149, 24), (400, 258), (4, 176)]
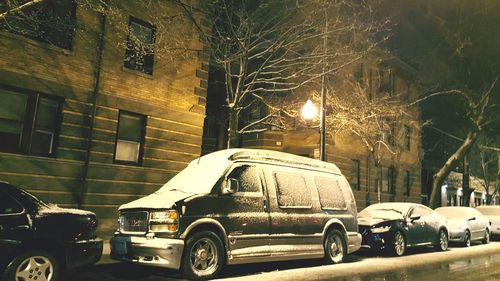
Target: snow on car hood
[(157, 200), (372, 221), (54, 209)]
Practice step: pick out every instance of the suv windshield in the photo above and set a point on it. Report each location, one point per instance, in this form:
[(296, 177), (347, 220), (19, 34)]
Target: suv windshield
[(198, 177)]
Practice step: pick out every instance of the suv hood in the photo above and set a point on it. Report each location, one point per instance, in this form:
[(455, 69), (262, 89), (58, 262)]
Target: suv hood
[(157, 200)]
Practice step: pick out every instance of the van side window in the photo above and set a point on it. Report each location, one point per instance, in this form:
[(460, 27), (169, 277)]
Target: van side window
[(292, 190), (248, 178), (330, 193)]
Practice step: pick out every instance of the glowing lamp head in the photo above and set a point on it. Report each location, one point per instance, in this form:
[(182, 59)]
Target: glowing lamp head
[(309, 111)]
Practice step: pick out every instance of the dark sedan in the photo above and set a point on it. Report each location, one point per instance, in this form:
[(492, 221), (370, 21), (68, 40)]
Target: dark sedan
[(40, 241), (393, 227)]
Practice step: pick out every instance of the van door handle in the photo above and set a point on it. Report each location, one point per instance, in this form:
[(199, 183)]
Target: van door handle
[(265, 205)]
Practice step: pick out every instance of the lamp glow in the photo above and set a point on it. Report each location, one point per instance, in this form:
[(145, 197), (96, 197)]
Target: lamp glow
[(309, 111)]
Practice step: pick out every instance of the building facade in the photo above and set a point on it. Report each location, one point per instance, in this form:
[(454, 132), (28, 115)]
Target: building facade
[(93, 114)]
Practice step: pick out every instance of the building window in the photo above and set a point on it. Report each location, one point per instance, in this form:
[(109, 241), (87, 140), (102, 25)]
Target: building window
[(52, 22), (388, 177), (354, 180), (407, 183), (140, 46), (407, 138), (130, 138), (388, 132), (387, 81), (391, 178), (29, 123)]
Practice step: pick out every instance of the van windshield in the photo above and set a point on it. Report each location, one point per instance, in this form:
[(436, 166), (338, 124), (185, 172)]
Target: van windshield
[(198, 177)]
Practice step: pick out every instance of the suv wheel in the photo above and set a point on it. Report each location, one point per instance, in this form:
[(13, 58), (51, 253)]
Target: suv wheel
[(33, 265), (398, 244), (203, 256), (335, 247)]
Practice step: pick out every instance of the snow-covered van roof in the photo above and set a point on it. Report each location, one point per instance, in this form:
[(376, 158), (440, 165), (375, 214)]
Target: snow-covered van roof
[(262, 155)]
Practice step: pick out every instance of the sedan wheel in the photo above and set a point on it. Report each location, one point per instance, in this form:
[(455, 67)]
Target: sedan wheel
[(486, 239), (443, 241), (33, 265), (398, 244), (467, 239)]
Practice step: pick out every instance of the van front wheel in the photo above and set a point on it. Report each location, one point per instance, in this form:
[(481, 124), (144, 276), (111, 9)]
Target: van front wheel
[(203, 256), (335, 247)]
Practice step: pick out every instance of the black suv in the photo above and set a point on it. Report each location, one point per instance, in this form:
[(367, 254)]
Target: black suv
[(39, 241)]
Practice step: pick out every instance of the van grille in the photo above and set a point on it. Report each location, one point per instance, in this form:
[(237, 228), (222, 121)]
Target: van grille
[(134, 222)]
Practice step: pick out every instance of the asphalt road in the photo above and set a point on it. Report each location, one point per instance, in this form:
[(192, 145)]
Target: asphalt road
[(479, 262)]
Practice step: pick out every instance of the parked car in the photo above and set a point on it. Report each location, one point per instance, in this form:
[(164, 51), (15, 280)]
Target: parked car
[(395, 226), (493, 214), (466, 224), (39, 241), (240, 206)]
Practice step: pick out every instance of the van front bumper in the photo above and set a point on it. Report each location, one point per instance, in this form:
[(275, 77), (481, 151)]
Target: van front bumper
[(154, 251)]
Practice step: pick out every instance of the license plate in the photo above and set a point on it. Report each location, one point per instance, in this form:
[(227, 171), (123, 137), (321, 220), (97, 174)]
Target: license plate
[(120, 248)]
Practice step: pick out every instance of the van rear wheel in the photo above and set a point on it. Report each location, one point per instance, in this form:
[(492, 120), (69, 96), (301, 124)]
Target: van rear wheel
[(335, 247), (203, 256)]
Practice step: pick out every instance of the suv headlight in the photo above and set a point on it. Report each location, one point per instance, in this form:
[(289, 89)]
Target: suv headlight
[(381, 229), (164, 221)]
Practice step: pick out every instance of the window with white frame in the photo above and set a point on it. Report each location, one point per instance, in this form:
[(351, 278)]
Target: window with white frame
[(130, 138)]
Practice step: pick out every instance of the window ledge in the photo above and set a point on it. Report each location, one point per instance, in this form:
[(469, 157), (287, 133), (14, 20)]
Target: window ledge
[(137, 72), (37, 43)]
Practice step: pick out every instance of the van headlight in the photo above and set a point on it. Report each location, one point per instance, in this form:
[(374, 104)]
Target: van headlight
[(381, 229), (164, 221)]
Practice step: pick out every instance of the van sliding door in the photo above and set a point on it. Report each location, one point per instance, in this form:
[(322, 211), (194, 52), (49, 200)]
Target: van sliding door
[(295, 227)]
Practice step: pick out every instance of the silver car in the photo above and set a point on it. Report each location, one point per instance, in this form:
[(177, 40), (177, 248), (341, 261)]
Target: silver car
[(493, 214), (466, 224)]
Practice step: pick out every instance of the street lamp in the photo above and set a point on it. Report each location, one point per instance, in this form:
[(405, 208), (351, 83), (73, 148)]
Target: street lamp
[(309, 112)]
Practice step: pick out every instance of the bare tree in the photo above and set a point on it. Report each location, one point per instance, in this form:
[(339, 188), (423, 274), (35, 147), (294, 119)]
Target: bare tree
[(478, 109), (374, 117), (484, 163), (267, 49)]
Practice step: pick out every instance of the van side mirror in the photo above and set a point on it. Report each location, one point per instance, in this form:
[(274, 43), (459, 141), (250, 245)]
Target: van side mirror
[(231, 186), (472, 219)]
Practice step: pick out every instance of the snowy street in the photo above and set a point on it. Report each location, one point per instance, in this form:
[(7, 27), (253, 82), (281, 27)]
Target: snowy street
[(479, 262)]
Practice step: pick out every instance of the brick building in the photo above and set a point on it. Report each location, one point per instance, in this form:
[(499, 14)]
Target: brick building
[(85, 120)]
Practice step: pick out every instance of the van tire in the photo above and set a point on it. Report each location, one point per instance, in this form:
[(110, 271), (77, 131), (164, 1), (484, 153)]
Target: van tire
[(203, 256), (335, 247)]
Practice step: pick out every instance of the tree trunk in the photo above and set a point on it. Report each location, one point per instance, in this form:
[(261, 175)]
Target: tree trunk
[(233, 137), (442, 174), (466, 190)]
